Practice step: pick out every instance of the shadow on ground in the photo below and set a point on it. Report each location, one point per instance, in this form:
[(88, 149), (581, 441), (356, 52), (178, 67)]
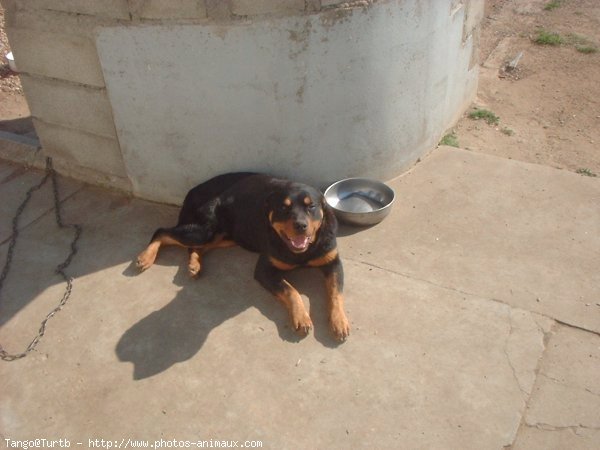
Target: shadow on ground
[(177, 331), (23, 125)]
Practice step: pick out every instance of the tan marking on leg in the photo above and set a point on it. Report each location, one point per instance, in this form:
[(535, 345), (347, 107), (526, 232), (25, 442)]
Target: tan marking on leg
[(280, 264), (325, 259), (148, 256), (167, 240), (337, 317), (298, 315), (220, 243)]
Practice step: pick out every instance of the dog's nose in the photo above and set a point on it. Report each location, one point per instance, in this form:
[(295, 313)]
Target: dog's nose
[(300, 226)]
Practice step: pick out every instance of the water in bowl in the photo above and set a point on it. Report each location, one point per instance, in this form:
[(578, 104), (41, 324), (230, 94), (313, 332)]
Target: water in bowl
[(358, 202)]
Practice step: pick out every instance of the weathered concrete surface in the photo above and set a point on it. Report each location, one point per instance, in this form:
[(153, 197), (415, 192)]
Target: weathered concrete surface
[(107, 8), (318, 97), (249, 7), (55, 44), (15, 181), (219, 348), (160, 9), (564, 411), (59, 103), (428, 365), (519, 233), (310, 89), (21, 149)]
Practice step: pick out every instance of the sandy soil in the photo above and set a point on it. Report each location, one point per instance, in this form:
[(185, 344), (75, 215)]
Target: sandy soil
[(14, 112), (548, 107)]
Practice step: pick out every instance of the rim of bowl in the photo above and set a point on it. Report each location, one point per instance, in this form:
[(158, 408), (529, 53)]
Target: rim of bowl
[(360, 178)]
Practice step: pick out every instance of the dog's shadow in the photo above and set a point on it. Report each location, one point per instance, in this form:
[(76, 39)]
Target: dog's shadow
[(226, 288)]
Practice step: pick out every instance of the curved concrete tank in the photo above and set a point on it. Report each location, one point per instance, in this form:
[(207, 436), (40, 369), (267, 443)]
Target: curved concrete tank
[(346, 91)]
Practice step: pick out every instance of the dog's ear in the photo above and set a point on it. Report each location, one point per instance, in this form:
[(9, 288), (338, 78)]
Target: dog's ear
[(268, 207), (270, 204)]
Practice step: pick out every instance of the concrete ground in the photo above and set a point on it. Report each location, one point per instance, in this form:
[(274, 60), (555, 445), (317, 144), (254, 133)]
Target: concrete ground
[(475, 309)]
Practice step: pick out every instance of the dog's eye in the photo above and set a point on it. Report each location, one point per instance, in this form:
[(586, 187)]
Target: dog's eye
[(312, 207)]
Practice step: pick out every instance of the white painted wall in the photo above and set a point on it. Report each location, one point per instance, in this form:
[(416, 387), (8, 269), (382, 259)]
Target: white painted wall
[(319, 97)]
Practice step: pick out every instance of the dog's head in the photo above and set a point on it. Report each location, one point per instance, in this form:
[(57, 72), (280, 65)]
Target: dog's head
[(296, 214)]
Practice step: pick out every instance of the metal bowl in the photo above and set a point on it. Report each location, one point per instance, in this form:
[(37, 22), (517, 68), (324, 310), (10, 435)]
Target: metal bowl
[(360, 201)]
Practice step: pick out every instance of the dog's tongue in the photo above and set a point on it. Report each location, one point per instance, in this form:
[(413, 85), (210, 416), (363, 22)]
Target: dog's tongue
[(299, 242)]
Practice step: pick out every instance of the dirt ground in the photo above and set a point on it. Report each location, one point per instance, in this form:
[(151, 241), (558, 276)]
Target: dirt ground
[(14, 112), (548, 106)]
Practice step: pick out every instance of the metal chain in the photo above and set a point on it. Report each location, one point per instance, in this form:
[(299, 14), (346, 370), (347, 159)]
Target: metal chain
[(60, 269)]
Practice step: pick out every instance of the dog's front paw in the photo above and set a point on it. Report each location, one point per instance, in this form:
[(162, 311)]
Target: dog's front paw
[(339, 324)]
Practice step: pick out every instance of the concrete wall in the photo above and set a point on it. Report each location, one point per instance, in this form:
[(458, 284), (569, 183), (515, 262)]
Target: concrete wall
[(153, 96)]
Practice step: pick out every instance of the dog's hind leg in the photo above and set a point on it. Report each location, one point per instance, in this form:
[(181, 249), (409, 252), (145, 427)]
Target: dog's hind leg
[(188, 235)]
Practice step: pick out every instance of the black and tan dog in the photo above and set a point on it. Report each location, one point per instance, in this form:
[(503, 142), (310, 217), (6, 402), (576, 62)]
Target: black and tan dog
[(289, 224)]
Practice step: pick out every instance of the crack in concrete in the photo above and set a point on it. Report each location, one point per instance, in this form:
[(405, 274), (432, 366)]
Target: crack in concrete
[(570, 325), (546, 336), (525, 394), (546, 333), (459, 291), (510, 363), (567, 385), (549, 427), (411, 277), (591, 392)]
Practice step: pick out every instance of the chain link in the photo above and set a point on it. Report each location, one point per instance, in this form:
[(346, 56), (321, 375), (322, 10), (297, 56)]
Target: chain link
[(60, 269)]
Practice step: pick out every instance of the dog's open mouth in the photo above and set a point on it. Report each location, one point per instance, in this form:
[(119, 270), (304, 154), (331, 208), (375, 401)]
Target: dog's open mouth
[(298, 243)]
